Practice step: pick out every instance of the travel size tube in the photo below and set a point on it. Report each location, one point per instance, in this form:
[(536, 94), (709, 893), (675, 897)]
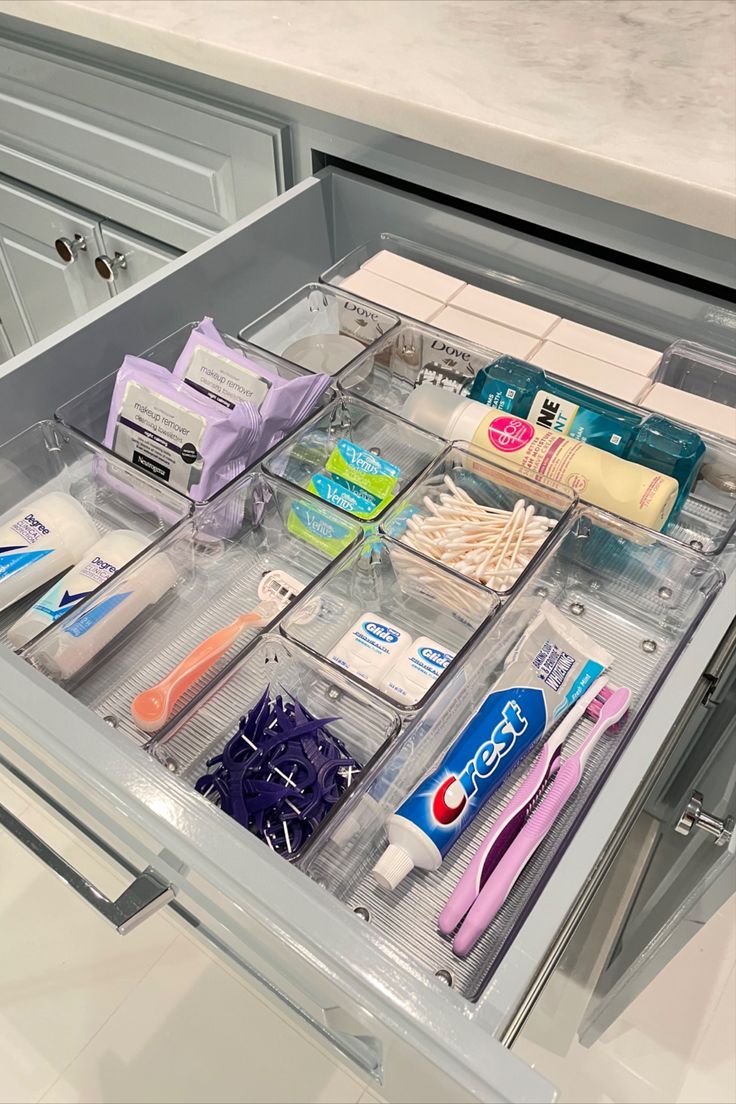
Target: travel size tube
[(546, 672)]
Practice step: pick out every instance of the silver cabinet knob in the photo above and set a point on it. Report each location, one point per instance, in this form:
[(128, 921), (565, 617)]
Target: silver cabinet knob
[(694, 816), (67, 248), (108, 267)]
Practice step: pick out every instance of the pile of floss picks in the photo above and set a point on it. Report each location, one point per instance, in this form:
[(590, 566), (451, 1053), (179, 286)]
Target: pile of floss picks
[(488, 545)]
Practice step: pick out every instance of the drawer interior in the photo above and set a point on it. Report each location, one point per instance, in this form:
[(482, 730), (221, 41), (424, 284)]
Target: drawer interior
[(644, 613)]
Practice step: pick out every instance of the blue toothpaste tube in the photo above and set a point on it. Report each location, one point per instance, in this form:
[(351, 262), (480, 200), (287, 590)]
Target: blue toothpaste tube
[(545, 673)]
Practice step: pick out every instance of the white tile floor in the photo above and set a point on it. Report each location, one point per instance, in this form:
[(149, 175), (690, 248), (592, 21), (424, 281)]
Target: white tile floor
[(88, 1016)]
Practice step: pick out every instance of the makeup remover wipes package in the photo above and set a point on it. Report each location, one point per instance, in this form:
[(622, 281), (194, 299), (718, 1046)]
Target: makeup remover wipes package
[(229, 377)]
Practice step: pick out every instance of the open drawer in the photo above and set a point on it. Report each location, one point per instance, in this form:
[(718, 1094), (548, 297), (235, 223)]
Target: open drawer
[(418, 1037)]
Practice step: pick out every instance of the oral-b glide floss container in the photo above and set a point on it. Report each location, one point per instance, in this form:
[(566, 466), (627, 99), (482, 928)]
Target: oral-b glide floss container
[(416, 670), (370, 647)]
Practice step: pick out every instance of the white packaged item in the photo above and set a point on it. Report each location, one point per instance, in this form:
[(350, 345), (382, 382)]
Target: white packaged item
[(98, 564), (370, 647), (43, 539), (691, 410), (491, 334), (412, 274), (604, 346), (73, 644), (590, 372), (416, 670), (393, 296), (509, 312)]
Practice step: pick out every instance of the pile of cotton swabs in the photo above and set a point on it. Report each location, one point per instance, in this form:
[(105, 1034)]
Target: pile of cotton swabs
[(489, 545)]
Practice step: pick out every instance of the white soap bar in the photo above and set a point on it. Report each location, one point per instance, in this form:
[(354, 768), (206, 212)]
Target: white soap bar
[(693, 410), (486, 333), (388, 294), (590, 372), (411, 274), (604, 346), (499, 308)]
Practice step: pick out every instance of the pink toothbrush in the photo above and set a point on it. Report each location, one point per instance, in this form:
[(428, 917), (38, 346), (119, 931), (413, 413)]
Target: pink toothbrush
[(609, 707), (514, 815)]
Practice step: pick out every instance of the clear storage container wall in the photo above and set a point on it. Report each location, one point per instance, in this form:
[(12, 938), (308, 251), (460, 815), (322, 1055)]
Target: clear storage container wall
[(637, 594)]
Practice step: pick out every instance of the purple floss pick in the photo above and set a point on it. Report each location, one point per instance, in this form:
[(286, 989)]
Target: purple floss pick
[(281, 773)]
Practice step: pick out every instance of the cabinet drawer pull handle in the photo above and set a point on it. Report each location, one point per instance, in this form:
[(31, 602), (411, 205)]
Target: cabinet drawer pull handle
[(68, 248), (694, 816), (145, 895), (108, 267)]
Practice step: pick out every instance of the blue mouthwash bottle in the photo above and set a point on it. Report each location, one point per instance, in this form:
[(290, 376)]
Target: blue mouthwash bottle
[(673, 449)]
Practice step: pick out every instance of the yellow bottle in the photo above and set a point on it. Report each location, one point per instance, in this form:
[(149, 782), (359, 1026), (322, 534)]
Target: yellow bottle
[(620, 486)]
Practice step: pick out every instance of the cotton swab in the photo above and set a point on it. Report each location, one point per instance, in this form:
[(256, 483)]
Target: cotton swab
[(488, 544)]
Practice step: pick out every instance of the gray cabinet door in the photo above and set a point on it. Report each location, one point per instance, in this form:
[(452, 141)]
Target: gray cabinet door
[(14, 334), (45, 290), (125, 257), (687, 872)]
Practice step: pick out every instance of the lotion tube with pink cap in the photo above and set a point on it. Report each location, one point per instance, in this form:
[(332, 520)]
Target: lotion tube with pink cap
[(545, 673), (621, 486)]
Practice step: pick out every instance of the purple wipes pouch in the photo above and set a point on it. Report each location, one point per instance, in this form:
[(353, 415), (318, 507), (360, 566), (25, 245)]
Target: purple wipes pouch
[(229, 377), (166, 429)]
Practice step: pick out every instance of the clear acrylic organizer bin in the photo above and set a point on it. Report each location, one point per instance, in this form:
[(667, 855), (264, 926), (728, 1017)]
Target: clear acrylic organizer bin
[(637, 594), (400, 589), (365, 725), (214, 567), (304, 454), (388, 372), (87, 412), (47, 457), (699, 370), (617, 307), (320, 329), (472, 475)]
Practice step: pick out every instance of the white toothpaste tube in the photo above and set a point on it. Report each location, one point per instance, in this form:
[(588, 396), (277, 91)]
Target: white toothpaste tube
[(99, 564), (416, 670), (370, 647), (43, 539)]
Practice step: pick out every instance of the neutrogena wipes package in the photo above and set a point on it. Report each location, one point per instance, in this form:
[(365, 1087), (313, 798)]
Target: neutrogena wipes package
[(228, 377), (163, 428), (200, 426)]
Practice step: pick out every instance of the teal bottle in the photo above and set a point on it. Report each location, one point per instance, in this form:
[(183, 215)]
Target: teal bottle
[(672, 449)]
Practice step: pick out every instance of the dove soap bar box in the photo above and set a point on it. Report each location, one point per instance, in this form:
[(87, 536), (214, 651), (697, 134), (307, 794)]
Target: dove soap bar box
[(100, 563)]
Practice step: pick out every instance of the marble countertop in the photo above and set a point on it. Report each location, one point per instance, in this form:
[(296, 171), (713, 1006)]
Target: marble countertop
[(630, 100)]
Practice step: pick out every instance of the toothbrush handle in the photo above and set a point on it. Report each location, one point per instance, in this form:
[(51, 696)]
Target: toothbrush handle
[(504, 877), (505, 828)]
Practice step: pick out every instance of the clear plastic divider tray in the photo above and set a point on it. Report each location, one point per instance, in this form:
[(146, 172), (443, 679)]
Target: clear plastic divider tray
[(212, 569), (637, 594), (48, 458), (695, 368), (87, 413), (363, 724), (644, 321), (499, 559), (381, 587), (319, 329), (307, 455)]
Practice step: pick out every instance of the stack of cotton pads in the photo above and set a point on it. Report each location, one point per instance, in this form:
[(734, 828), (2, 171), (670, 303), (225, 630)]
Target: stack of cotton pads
[(491, 546)]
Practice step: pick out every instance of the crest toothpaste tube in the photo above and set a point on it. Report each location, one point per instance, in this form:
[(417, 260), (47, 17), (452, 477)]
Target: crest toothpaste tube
[(546, 672)]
